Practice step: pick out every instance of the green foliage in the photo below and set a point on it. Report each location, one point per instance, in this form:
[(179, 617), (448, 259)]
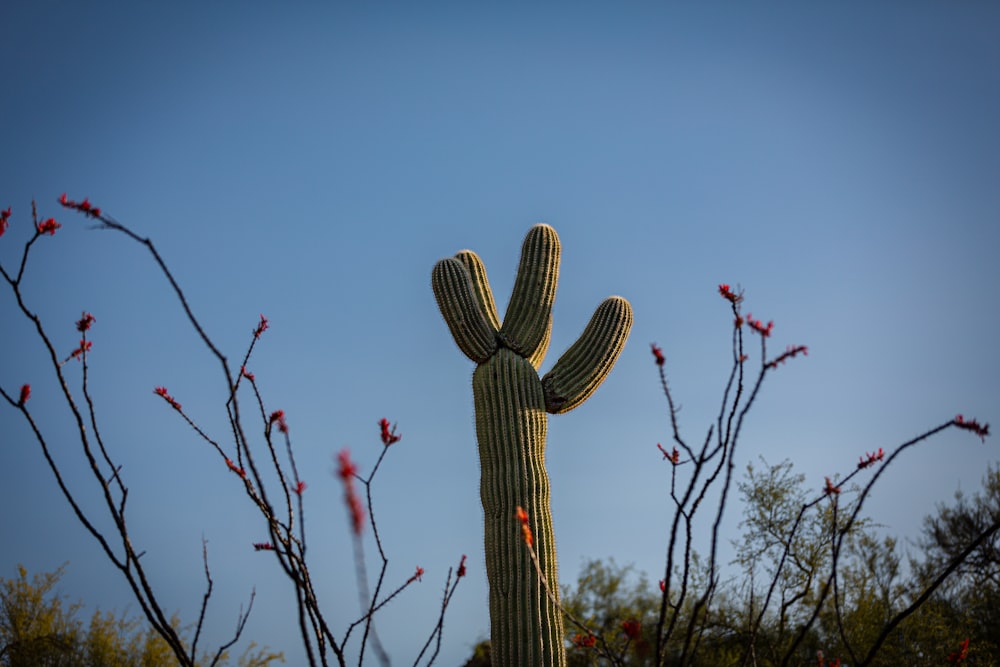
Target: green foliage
[(969, 604), (871, 589), (39, 629), (783, 552), (480, 655), (36, 629), (607, 595)]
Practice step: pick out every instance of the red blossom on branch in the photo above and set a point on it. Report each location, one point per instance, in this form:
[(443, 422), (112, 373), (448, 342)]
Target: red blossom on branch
[(416, 575), (869, 459), (584, 641), (982, 430), (663, 585), (299, 488), (346, 471), (245, 373), (461, 568), (522, 516), (759, 327), (830, 488), (261, 327), (632, 629), (84, 323), (674, 456), (4, 217), (236, 469), (85, 346), (84, 206), (790, 351), (389, 436), (961, 654), (162, 391), (658, 353), (25, 394), (48, 227), (279, 416), (729, 295), (263, 546)]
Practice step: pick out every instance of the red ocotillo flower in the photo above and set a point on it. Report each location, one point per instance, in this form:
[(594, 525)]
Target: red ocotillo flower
[(48, 227), (84, 206), (658, 354), (389, 436), (759, 327), (982, 430), (729, 295), (162, 391), (4, 217), (84, 323), (961, 654), (279, 417), (790, 351), (261, 327), (673, 456), (236, 469), (522, 516), (346, 471), (632, 629), (85, 346), (869, 459)]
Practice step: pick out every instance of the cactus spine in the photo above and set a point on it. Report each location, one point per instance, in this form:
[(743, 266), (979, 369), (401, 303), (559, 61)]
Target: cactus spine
[(511, 404)]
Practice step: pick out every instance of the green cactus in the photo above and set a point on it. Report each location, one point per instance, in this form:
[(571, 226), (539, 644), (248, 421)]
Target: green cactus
[(511, 403)]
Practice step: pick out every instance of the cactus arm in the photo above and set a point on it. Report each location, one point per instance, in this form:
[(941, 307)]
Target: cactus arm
[(583, 367), (481, 285), (462, 311), (536, 359), (474, 265), (529, 312)]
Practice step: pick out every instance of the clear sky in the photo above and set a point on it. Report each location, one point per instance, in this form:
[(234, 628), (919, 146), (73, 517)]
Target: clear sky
[(311, 161)]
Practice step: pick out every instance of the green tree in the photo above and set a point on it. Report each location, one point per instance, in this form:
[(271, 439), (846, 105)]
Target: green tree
[(783, 553), (787, 553), (38, 628), (968, 604), (607, 596)]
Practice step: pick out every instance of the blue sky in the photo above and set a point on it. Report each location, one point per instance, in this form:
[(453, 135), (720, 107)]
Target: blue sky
[(312, 162)]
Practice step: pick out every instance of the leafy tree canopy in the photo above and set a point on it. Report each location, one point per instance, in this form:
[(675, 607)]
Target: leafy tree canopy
[(38, 628), (872, 588)]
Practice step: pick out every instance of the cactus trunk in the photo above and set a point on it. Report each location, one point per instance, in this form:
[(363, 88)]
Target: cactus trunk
[(511, 425)]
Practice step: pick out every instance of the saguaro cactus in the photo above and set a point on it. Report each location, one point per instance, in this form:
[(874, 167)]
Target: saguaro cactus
[(511, 403)]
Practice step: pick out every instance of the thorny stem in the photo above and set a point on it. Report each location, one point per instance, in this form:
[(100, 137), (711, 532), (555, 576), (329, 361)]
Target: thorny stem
[(289, 548), (728, 428), (601, 648)]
